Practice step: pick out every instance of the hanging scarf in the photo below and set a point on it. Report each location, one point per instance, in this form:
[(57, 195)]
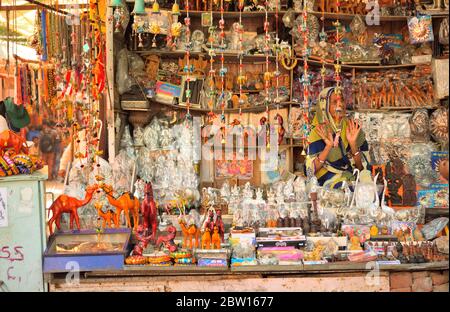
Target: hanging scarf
[(337, 167), (44, 35)]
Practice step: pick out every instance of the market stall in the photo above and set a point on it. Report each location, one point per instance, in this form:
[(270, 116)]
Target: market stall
[(252, 145)]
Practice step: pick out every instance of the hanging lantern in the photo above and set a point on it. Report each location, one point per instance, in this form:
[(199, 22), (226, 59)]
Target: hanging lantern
[(139, 7), (115, 4), (155, 8), (175, 9)]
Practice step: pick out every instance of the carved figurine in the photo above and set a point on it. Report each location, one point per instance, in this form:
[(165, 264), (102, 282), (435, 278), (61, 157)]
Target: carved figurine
[(126, 202), (215, 238), (220, 225), (193, 236), (168, 240), (184, 230), (142, 241), (68, 204), (206, 239), (149, 210), (409, 190), (355, 243), (108, 216), (11, 140)]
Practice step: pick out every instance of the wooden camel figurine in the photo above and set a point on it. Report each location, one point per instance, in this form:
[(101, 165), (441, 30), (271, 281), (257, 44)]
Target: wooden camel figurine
[(206, 239), (191, 234), (108, 216), (126, 203), (9, 139), (68, 204), (215, 239)]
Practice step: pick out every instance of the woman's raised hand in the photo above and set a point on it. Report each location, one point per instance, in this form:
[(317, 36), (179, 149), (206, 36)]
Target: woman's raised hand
[(323, 130)]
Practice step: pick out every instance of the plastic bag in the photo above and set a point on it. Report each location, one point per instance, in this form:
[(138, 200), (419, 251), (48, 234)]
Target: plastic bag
[(419, 123), (123, 79)]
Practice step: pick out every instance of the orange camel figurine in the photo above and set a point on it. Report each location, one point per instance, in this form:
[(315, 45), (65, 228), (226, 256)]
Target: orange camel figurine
[(108, 216), (184, 230), (68, 204), (193, 236), (216, 238), (9, 139), (126, 203), (206, 239)]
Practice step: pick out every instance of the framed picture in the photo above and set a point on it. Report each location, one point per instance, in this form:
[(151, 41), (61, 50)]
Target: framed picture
[(207, 19), (240, 169)]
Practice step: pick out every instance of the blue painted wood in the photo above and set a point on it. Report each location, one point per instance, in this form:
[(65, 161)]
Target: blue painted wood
[(99, 261), (23, 241), (55, 264)]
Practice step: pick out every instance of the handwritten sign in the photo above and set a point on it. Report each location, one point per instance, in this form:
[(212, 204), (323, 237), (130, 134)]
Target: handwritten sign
[(3, 207), (11, 254)]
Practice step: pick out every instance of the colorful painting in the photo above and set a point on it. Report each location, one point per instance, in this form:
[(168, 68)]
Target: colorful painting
[(240, 169)]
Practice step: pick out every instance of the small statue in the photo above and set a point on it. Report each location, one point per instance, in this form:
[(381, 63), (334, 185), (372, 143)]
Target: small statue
[(138, 136), (281, 130), (142, 241), (168, 240), (215, 238), (206, 239), (149, 210), (68, 204), (225, 191), (220, 225), (355, 243)]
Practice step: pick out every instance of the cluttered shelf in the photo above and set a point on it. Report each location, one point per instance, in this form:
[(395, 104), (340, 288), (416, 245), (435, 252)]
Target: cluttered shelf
[(326, 15), (146, 270), (177, 54), (372, 66), (259, 108)]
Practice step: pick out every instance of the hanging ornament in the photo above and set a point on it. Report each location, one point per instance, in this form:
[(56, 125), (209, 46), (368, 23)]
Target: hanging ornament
[(155, 29), (175, 9), (188, 47), (277, 73), (212, 71), (223, 70), (337, 65), (139, 7), (155, 7)]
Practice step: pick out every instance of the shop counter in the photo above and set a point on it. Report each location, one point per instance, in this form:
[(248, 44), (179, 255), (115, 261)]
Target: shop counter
[(322, 277)]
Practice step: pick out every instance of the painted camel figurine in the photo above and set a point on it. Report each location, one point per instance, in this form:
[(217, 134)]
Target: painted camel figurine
[(107, 217), (9, 139), (191, 234), (126, 203), (68, 204), (149, 210)]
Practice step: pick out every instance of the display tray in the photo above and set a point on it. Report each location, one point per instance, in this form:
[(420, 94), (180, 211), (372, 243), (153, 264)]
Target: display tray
[(86, 250)]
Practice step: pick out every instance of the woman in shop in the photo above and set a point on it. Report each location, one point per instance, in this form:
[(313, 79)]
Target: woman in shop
[(337, 145)]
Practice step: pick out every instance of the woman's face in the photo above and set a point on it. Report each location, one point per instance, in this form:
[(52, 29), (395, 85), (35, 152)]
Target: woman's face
[(337, 108)]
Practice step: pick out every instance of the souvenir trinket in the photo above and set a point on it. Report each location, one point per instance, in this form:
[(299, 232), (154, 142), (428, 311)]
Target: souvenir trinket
[(67, 204), (126, 203)]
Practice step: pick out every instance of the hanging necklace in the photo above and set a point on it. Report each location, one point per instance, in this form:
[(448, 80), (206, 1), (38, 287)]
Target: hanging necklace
[(223, 70)]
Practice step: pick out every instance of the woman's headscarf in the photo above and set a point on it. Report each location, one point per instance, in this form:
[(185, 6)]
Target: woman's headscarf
[(323, 115), (338, 166)]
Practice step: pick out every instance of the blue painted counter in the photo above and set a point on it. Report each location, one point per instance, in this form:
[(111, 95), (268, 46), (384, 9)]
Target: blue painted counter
[(22, 232)]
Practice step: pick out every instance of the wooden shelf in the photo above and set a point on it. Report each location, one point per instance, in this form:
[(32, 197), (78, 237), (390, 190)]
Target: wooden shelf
[(233, 14), (343, 16), (390, 109), (355, 66), (329, 16), (180, 54), (259, 108)]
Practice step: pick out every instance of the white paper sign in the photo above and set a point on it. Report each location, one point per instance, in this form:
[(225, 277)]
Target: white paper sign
[(3, 207)]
